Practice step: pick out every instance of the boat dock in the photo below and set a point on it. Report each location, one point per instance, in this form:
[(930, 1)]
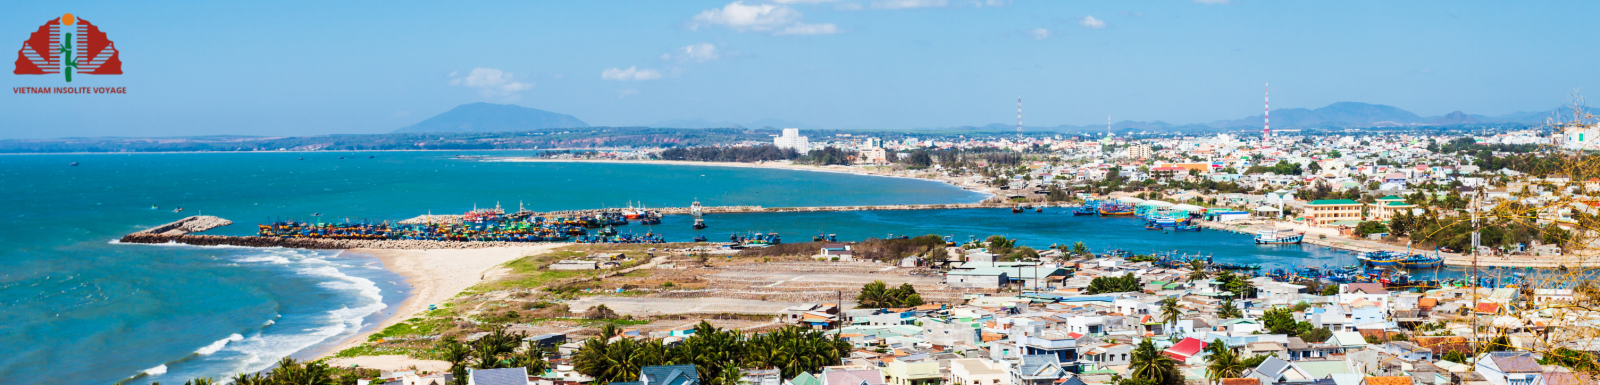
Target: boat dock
[(435, 218)]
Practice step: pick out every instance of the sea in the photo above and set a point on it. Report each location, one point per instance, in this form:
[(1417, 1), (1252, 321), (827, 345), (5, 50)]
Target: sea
[(79, 308)]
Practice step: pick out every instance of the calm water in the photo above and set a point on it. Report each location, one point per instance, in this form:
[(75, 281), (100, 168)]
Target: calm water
[(86, 310), (79, 309)]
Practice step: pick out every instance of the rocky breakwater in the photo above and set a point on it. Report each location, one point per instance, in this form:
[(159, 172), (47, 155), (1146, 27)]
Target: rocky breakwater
[(181, 232)]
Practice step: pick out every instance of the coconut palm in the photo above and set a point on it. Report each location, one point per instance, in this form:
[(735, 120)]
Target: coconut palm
[(875, 295), (1222, 362), (1197, 270), (1229, 310), (1146, 362), (1170, 311)]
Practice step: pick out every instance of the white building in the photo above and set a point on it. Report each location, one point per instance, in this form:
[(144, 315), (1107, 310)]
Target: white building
[(791, 139), (1577, 137)]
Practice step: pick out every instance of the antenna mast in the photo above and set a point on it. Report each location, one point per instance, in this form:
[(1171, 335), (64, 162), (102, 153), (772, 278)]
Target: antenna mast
[(1019, 117), (1266, 115)]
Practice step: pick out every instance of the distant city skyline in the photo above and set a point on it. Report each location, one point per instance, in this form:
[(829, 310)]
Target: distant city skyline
[(305, 68)]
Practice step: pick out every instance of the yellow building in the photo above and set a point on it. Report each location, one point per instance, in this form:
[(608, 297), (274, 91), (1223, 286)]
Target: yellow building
[(1387, 207), (1326, 211)]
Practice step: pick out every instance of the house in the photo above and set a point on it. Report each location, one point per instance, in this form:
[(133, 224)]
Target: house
[(1274, 371), (509, 376), (761, 377), (1409, 351), (837, 251), (977, 371), (1347, 341), (803, 379), (1039, 369), (1185, 349), (899, 372), (1267, 347), (1510, 368), (984, 278), (851, 376), (665, 375)]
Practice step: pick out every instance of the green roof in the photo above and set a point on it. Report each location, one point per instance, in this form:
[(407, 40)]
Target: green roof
[(1397, 204), (1391, 198), (1333, 202)]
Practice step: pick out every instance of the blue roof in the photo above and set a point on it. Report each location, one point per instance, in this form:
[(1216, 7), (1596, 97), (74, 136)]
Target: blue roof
[(669, 375), (510, 376)]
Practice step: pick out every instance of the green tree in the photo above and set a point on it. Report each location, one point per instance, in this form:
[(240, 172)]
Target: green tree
[(1316, 335), (1078, 248), (1149, 364), (1279, 320), (1170, 311), (1222, 362), (1228, 310), (1123, 284)]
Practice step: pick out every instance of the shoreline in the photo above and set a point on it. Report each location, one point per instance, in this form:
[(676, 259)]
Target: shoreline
[(851, 170), (436, 276)]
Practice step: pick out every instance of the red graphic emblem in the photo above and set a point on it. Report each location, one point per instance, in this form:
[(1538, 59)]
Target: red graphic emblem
[(67, 45)]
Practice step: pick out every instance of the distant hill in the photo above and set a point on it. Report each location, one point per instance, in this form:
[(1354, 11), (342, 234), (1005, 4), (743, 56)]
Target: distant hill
[(488, 117), (1341, 114)]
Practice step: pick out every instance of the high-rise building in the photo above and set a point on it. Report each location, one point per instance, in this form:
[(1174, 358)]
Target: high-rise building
[(791, 139)]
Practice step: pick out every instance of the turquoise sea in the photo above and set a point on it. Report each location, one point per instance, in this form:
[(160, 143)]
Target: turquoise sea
[(79, 308)]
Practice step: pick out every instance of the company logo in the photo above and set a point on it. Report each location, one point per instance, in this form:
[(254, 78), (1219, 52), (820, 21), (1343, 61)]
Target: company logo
[(68, 45)]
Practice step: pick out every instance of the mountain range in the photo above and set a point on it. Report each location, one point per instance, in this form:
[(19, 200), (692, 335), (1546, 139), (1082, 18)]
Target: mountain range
[(486, 117)]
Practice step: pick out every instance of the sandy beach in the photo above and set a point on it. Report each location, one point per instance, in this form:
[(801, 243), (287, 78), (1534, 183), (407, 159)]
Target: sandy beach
[(436, 276)]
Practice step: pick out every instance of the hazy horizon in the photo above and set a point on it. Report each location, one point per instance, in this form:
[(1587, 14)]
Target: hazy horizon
[(303, 68)]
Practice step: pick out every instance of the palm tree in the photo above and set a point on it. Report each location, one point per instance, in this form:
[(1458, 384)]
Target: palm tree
[(1222, 362), (1170, 311), (1228, 310), (1197, 270), (875, 295), (1146, 362)]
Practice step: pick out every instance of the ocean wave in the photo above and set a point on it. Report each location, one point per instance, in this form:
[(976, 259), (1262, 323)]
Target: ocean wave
[(273, 259), (216, 346), (156, 371)]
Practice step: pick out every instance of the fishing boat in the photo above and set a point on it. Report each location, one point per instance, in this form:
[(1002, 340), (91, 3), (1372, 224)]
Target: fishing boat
[(1186, 228), (820, 237), (699, 223), (1039, 209), (1419, 261), (700, 238), (1115, 209), (1017, 209), (1381, 258), (1276, 237)]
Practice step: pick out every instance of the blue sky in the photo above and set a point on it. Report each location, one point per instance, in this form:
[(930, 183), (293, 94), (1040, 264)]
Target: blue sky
[(297, 68)]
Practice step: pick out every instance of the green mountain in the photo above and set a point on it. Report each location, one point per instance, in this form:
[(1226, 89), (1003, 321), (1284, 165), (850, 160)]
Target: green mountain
[(487, 117)]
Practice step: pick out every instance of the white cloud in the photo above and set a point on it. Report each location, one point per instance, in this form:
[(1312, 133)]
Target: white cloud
[(1211, 2), (492, 83), (741, 17), (626, 93), (906, 4), (1091, 22), (990, 3), (847, 7), (699, 53), (802, 1), (1040, 33), (809, 29), (632, 73)]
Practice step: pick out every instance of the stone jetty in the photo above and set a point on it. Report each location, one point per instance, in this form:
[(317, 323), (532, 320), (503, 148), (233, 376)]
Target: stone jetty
[(194, 224), (437, 218), (309, 243)]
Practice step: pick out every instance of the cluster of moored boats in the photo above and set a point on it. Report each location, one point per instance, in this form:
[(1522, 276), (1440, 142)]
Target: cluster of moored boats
[(483, 225)]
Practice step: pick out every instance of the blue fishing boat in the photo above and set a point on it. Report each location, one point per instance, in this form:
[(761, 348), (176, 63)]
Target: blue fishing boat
[(1381, 258), (1195, 228), (1275, 237), (1419, 261)]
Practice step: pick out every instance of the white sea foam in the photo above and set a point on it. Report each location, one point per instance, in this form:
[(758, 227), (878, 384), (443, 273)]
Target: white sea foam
[(262, 349), (156, 371), (215, 346)]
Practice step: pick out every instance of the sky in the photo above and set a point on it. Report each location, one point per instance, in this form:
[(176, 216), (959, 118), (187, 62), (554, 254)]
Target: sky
[(319, 67)]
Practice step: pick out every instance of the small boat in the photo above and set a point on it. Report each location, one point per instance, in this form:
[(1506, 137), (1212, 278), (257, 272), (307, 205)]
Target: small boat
[(699, 224), (700, 238), (154, 207), (1186, 228), (74, 164), (1275, 237), (1419, 261), (177, 210), (1039, 209), (1017, 209)]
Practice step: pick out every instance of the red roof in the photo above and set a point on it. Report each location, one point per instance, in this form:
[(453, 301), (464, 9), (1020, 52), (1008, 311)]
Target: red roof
[(1489, 308), (1183, 349)]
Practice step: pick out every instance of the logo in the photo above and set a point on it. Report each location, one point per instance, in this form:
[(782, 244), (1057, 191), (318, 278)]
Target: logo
[(68, 45)]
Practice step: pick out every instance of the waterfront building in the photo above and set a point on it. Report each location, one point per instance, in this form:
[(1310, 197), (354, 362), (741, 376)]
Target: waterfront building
[(792, 139), (1327, 211), (1389, 206)]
